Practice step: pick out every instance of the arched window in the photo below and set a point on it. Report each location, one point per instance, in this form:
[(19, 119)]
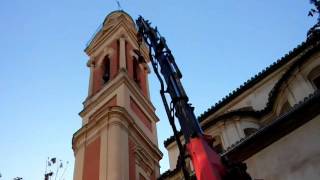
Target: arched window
[(314, 77), (316, 82), (106, 69), (249, 131)]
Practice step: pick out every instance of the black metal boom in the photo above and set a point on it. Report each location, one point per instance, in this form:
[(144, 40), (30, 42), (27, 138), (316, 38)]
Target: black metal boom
[(171, 74)]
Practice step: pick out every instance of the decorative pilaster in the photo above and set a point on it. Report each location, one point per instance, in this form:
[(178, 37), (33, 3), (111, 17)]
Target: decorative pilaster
[(90, 64), (79, 161), (122, 53), (117, 152), (103, 154)]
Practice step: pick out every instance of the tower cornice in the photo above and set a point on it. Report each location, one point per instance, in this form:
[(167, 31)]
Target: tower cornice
[(122, 78), (124, 120)]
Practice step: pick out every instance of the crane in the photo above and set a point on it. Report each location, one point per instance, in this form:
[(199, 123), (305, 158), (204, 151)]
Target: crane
[(208, 165)]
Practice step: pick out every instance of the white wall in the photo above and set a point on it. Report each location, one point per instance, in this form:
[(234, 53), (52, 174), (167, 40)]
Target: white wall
[(173, 152), (258, 98), (294, 157), (294, 90)]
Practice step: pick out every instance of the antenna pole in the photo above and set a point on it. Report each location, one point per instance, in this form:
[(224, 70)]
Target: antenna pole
[(119, 5)]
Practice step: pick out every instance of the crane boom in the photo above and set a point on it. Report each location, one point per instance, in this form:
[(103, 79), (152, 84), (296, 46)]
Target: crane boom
[(172, 76), (206, 162)]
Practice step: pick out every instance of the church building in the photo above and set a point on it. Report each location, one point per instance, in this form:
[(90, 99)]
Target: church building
[(271, 122)]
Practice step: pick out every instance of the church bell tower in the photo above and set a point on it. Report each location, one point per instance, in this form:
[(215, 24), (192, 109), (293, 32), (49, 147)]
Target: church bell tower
[(118, 137)]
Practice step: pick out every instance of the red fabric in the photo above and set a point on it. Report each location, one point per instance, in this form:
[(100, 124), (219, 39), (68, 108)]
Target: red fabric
[(205, 160)]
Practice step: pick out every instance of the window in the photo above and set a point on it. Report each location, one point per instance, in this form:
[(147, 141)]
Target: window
[(314, 77), (217, 144), (106, 69), (218, 148), (316, 82), (249, 131)]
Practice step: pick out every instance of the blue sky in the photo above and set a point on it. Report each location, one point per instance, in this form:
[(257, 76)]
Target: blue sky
[(44, 79)]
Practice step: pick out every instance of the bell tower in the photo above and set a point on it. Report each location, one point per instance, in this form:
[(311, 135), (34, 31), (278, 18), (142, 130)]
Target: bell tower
[(118, 137)]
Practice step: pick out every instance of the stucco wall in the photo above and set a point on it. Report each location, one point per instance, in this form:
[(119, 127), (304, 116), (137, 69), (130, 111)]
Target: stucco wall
[(294, 157), (173, 153), (293, 90), (258, 98)]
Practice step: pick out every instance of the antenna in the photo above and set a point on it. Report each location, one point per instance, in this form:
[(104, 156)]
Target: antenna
[(119, 5)]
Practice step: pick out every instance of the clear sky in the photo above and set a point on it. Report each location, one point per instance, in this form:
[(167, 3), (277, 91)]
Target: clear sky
[(218, 45)]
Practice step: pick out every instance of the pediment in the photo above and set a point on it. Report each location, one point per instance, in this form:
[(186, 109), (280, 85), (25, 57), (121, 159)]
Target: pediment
[(110, 21)]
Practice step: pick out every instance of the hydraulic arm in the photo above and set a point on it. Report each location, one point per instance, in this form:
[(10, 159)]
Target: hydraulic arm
[(206, 162)]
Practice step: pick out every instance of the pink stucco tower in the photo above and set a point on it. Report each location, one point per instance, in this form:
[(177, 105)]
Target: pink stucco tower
[(118, 137)]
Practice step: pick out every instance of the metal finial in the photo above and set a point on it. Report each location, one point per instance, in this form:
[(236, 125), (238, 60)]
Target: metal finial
[(119, 5)]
